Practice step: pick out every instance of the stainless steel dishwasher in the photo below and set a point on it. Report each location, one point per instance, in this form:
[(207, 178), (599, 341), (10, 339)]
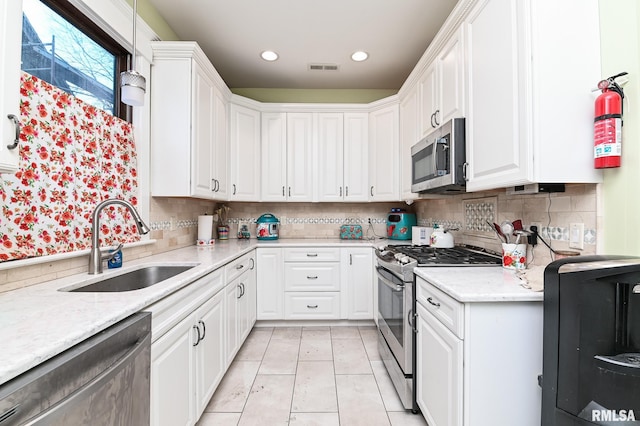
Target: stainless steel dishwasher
[(103, 380)]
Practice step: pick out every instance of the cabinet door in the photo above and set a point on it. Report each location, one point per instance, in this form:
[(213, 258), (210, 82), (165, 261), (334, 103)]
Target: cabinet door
[(408, 137), (274, 156), (210, 361), (429, 97), (451, 79), (203, 134), (172, 376), (220, 147), (245, 154), (439, 371), (357, 282), (232, 294), (330, 156), (356, 156), (270, 284), (300, 164), (10, 36), (246, 305), (498, 145), (383, 154)]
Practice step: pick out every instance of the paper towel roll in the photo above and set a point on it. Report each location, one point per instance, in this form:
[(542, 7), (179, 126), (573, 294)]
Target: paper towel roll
[(205, 227)]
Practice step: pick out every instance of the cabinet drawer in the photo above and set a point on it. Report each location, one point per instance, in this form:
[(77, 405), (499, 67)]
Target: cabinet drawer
[(311, 254), (308, 305), (240, 265), (302, 276), (445, 308)]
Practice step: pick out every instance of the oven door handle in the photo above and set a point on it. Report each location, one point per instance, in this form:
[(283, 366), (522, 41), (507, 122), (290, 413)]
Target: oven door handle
[(392, 286)]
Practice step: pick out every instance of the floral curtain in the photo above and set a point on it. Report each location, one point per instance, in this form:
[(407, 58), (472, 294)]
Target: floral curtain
[(72, 157)]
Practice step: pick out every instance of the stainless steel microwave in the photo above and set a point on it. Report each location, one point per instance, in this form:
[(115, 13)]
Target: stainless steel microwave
[(438, 162)]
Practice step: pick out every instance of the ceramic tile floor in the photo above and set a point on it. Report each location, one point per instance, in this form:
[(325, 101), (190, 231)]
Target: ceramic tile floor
[(308, 376)]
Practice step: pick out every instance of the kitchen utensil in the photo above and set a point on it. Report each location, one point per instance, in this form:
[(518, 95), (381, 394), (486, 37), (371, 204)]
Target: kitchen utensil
[(517, 225), (498, 231), (507, 229), (441, 238), (519, 233)]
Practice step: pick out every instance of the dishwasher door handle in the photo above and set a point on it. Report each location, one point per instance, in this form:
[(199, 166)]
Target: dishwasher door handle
[(77, 397)]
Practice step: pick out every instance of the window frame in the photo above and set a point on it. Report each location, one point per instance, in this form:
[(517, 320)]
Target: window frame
[(93, 31)]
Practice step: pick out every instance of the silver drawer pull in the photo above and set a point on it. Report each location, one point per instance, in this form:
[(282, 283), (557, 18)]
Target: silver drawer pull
[(312, 306), (312, 254), (16, 123), (312, 277), (436, 304)]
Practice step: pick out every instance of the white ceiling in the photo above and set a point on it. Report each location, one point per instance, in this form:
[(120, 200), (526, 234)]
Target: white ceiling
[(233, 33)]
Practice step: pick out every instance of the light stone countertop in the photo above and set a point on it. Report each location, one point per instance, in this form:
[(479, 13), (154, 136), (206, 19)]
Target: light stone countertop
[(479, 284), (39, 322)]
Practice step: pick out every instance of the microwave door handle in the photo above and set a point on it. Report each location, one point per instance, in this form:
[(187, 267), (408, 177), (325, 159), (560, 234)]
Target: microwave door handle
[(442, 142)]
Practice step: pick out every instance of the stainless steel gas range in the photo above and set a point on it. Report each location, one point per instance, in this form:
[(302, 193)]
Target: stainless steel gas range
[(396, 303)]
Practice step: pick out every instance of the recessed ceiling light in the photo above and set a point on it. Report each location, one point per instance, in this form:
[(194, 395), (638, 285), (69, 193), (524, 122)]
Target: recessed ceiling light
[(269, 55), (360, 56)]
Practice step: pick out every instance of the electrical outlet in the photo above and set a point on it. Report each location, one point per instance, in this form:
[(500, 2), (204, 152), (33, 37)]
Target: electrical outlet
[(576, 235), (538, 224), (172, 223)]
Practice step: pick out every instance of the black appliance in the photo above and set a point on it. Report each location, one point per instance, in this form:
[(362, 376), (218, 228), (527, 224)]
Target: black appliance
[(591, 343)]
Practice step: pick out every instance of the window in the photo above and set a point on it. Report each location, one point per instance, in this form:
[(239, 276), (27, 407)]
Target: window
[(63, 47)]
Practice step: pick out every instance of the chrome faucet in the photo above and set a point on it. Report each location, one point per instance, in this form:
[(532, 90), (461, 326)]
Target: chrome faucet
[(96, 257)]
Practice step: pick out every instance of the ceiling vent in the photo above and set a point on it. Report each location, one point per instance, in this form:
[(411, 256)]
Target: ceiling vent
[(323, 67)]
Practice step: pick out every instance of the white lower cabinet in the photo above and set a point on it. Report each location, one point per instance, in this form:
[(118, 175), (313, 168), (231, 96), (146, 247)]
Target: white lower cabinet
[(315, 283), (357, 282), (240, 295), (187, 354), (478, 362), (270, 283)]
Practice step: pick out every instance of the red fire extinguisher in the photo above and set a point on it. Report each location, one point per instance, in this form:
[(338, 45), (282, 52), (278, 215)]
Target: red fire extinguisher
[(608, 124)]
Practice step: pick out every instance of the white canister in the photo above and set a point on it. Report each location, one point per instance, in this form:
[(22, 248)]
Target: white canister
[(514, 256), (421, 235)]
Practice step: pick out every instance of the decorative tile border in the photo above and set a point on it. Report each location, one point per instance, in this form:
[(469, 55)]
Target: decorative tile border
[(285, 220)]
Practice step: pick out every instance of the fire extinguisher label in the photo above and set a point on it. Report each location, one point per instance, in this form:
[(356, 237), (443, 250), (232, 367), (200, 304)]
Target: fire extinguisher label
[(608, 138)]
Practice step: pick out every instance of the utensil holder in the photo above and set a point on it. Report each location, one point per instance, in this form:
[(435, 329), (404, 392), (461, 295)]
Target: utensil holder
[(514, 256)]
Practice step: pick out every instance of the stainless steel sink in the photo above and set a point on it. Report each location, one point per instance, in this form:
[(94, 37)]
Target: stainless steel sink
[(135, 280)]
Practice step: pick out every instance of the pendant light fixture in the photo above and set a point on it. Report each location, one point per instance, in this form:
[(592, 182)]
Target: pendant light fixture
[(133, 85)]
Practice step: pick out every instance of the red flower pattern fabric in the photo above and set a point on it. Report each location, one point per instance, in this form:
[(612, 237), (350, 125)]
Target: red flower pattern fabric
[(72, 157)]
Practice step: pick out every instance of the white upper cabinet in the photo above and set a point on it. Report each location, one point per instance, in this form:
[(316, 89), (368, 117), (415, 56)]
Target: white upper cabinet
[(287, 160), (10, 36), (384, 149), (300, 161), (356, 156), (408, 137), (274, 156), (188, 124), (342, 156), (441, 87), (245, 154), (530, 106)]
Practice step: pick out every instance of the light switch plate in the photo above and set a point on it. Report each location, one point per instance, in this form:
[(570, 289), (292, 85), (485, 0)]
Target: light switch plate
[(576, 235)]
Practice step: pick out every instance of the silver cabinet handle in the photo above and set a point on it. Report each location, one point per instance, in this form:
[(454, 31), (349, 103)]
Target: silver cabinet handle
[(350, 259), (239, 288), (312, 306), (234, 189), (430, 300), (213, 185), (289, 191), (253, 263), (197, 329), (346, 191), (372, 190), (242, 289), (312, 254), (341, 191), (312, 277), (16, 123), (465, 166), (412, 324), (435, 117), (204, 329), (283, 194)]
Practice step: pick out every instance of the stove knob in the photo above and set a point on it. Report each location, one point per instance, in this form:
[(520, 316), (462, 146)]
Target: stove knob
[(404, 260), (399, 256)]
